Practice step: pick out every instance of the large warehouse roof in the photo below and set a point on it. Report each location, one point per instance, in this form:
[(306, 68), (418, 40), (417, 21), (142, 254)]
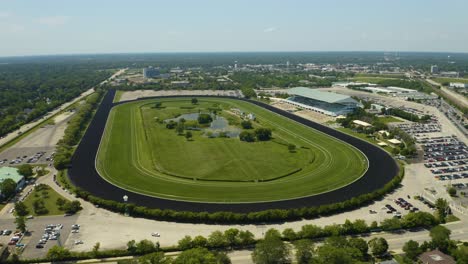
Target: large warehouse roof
[(332, 98)]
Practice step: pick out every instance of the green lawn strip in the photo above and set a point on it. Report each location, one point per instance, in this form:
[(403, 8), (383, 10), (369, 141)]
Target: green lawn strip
[(389, 119), (118, 95), (49, 201), (449, 80), (368, 79), (36, 127), (133, 157)]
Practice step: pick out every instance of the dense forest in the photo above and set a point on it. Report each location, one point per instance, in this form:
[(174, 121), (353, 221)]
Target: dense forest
[(28, 91)]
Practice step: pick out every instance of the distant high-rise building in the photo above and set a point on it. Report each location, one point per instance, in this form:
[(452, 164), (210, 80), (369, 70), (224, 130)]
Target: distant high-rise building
[(434, 69), (151, 72), (235, 65)]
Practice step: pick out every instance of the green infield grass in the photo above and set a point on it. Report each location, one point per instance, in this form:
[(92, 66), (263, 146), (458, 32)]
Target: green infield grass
[(139, 153)]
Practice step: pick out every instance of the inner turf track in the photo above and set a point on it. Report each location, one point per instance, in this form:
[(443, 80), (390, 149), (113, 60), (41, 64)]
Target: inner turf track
[(135, 149), (382, 168)]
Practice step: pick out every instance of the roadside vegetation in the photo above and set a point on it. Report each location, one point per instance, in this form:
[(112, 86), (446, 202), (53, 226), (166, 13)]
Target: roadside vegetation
[(43, 200)]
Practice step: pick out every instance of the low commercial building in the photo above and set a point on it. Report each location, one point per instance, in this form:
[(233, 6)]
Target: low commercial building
[(327, 103), (12, 173), (180, 83), (459, 85), (361, 123), (394, 141), (151, 72)]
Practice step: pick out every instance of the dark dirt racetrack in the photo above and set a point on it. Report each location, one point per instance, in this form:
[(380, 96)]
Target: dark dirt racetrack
[(382, 168)]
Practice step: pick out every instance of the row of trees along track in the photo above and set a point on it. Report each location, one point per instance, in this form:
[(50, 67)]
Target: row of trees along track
[(382, 176)]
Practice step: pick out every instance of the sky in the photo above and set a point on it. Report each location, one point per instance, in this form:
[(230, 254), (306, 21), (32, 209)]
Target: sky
[(45, 27)]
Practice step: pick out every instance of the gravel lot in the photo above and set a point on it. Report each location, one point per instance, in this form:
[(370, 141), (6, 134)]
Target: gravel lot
[(132, 95)]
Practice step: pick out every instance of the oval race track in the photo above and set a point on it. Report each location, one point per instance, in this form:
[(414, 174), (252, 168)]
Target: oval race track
[(382, 168)]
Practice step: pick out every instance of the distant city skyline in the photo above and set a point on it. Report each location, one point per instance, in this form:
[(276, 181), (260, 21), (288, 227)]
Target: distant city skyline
[(49, 27)]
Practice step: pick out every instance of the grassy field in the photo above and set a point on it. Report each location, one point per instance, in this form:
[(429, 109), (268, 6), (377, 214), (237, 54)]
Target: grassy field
[(118, 95), (449, 80), (389, 119), (139, 153), (49, 196)]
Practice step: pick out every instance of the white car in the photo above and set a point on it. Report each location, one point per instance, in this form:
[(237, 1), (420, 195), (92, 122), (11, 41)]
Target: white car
[(77, 242), (75, 231), (155, 234)]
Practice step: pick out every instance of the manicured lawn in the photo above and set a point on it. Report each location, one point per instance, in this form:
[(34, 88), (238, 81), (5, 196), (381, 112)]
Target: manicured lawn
[(389, 119), (49, 199), (370, 79), (118, 95), (139, 153)]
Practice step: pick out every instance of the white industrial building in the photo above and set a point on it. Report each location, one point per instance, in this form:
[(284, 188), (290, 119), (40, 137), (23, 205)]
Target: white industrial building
[(327, 103)]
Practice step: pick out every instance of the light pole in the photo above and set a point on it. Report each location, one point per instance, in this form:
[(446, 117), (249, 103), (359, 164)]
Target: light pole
[(125, 198)]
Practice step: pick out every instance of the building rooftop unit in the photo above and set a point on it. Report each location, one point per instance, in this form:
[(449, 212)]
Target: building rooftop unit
[(10, 173), (332, 98)]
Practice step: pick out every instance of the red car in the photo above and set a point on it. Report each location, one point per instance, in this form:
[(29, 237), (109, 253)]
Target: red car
[(12, 242)]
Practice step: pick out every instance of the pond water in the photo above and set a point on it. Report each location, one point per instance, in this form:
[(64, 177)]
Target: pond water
[(219, 124)]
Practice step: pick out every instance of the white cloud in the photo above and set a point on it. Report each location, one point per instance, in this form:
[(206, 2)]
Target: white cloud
[(270, 29), (53, 20)]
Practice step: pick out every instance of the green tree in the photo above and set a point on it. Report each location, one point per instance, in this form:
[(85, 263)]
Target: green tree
[(440, 236), (378, 246), (58, 253), (246, 237), (217, 239), (360, 244), (157, 105), (185, 243), (411, 249), (452, 191), (204, 119), (72, 207), (96, 249), (199, 241), (188, 135), (247, 136), (231, 236), (271, 250), (145, 246), (461, 254), (245, 124), (390, 224), (131, 246), (196, 256), (443, 209), (263, 134), (194, 101), (289, 234), (180, 128), (304, 251), (20, 223), (155, 258), (329, 254), (292, 148), (21, 209), (26, 170), (7, 188)]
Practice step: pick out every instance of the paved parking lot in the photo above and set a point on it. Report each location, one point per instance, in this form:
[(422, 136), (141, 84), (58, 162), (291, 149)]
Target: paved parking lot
[(37, 147), (36, 227)]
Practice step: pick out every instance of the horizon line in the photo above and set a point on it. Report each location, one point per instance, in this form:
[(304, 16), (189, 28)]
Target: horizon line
[(220, 52)]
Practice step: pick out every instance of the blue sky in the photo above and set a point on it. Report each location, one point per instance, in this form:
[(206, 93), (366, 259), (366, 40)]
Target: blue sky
[(32, 27)]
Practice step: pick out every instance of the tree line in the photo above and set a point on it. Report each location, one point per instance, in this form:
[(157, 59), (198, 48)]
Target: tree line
[(28, 91)]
